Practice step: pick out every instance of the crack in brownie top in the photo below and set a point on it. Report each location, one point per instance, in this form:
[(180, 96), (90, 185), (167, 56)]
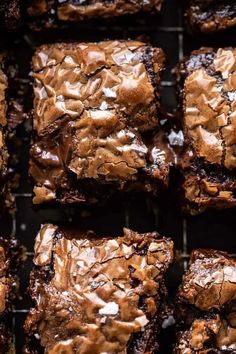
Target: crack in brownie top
[(210, 105), (101, 291)]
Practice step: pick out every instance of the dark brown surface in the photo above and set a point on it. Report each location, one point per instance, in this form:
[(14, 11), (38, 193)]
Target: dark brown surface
[(94, 104), (205, 304), (211, 16), (206, 82), (94, 294)]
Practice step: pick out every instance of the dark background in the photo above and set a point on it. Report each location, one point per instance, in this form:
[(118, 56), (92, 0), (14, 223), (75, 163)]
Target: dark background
[(212, 229)]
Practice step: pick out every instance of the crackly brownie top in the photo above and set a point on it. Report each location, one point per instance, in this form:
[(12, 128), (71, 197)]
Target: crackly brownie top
[(92, 103), (210, 105), (99, 291), (71, 78), (209, 334), (210, 281), (73, 10)]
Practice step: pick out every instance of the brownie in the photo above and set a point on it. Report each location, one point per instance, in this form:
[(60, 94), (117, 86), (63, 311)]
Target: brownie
[(211, 15), (10, 14), (11, 256), (96, 108), (97, 295), (206, 83), (206, 304), (51, 13)]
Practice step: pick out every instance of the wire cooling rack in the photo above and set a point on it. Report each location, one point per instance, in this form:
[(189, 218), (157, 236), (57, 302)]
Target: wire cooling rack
[(211, 230)]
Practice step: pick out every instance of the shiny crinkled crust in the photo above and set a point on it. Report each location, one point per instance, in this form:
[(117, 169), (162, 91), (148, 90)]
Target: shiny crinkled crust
[(210, 282), (206, 304), (93, 103), (207, 83), (210, 105), (97, 294), (211, 16), (51, 13)]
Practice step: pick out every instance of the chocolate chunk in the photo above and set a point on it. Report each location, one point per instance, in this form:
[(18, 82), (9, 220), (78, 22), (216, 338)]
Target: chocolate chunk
[(207, 80), (211, 16), (206, 304), (94, 105), (52, 13), (100, 295)]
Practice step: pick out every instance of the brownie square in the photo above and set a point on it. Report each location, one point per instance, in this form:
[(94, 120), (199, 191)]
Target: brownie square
[(211, 16), (206, 304), (52, 13), (95, 109), (207, 83), (11, 256), (95, 294)]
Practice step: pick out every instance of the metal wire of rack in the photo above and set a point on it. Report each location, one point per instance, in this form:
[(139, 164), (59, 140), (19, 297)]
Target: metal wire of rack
[(211, 230)]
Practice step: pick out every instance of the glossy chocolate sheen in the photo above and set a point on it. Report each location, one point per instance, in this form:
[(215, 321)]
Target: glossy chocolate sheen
[(210, 105), (93, 103), (207, 83), (74, 10), (206, 304), (97, 295), (211, 16), (210, 282)]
